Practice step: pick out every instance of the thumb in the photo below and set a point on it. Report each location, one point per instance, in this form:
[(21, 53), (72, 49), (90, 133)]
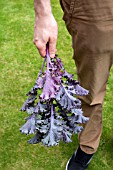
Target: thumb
[(52, 47)]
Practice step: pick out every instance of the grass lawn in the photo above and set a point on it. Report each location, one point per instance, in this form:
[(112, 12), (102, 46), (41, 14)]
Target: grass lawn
[(19, 65)]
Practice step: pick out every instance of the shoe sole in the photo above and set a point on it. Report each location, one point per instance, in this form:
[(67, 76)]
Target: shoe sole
[(67, 164), (69, 161)]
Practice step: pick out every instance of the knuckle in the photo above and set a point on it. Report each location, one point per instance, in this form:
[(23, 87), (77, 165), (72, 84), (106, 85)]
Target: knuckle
[(52, 50), (54, 39)]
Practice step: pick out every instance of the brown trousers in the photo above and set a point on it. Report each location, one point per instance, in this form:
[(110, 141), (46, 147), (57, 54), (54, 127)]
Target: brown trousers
[(90, 23)]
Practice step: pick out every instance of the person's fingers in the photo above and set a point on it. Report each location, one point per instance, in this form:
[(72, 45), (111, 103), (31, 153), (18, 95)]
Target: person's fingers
[(41, 47), (52, 47), (43, 53)]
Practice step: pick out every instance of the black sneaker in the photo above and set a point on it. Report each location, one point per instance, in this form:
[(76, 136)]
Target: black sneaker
[(79, 160)]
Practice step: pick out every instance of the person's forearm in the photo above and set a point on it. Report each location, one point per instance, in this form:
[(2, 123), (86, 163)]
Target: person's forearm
[(42, 7), (45, 28)]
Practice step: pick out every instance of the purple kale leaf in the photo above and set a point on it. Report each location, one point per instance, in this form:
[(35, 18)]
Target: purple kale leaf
[(76, 129), (66, 100), (58, 130), (30, 126), (30, 110), (41, 107), (50, 88), (28, 103), (50, 138), (66, 135), (76, 88), (36, 139), (67, 75), (77, 119), (40, 82), (53, 79)]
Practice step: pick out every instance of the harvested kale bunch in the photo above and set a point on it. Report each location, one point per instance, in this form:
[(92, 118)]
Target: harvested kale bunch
[(55, 114)]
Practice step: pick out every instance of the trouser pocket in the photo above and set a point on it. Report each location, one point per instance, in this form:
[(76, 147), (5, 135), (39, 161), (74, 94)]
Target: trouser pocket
[(68, 8)]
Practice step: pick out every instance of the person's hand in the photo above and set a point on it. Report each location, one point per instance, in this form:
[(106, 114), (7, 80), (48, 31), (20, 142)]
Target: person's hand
[(45, 31)]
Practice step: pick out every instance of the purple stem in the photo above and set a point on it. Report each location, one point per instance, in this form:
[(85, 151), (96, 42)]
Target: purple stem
[(48, 63), (52, 116), (48, 58), (42, 67)]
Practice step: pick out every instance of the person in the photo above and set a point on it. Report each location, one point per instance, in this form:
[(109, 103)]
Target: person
[(90, 23)]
